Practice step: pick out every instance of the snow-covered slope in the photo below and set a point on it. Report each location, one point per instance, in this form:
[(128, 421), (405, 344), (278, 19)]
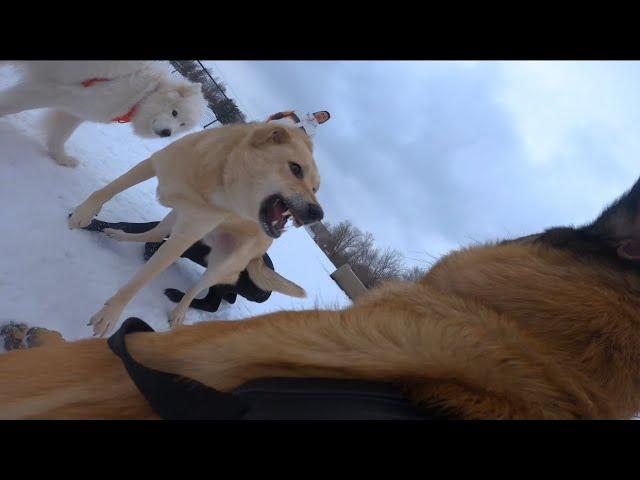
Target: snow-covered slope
[(57, 278)]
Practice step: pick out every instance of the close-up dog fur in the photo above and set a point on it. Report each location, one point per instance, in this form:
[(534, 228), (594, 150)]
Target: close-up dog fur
[(238, 185), (539, 327), (141, 92)]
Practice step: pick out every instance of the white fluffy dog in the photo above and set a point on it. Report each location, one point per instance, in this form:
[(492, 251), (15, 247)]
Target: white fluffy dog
[(141, 92)]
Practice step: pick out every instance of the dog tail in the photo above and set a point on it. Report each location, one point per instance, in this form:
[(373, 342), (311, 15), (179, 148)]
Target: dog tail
[(268, 280)]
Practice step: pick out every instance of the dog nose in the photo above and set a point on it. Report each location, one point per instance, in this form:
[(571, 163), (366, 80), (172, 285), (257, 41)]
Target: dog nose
[(314, 213), (165, 133)]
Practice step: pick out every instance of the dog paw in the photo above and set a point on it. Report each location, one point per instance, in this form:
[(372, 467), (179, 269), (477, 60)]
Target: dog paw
[(38, 336), (115, 234), (65, 160), (176, 317), (84, 214), (13, 335), (105, 319), (174, 295)]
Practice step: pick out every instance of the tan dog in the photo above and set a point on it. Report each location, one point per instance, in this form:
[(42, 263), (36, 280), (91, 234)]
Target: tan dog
[(237, 185), (542, 327)]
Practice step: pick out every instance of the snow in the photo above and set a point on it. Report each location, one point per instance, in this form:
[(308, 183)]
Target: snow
[(57, 278)]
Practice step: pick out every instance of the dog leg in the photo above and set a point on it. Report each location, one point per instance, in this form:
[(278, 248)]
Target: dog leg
[(225, 263), (61, 125), (186, 231), (88, 209), (225, 273), (156, 234)]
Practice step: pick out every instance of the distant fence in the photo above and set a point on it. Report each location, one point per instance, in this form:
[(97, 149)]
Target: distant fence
[(221, 108)]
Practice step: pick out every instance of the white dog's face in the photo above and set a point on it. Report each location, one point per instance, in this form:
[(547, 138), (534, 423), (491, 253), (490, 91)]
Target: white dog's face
[(169, 111)]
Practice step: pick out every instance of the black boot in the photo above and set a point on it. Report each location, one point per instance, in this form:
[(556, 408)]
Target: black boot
[(150, 248)]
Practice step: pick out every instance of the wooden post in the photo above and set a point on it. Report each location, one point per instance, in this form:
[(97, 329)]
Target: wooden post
[(348, 281)]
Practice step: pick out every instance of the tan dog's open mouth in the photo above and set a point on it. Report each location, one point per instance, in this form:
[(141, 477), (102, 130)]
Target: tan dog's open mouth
[(275, 212)]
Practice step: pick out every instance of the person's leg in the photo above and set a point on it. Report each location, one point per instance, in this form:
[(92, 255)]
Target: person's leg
[(210, 303), (249, 290), (198, 253), (158, 233), (246, 288), (128, 227)]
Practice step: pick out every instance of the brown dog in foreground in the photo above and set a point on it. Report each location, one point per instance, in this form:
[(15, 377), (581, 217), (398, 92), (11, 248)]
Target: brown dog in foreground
[(542, 327)]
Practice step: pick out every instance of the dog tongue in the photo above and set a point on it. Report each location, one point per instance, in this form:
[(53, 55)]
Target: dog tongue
[(278, 209)]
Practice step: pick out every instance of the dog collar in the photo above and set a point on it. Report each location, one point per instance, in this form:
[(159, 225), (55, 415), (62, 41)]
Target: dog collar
[(89, 82), (126, 118)]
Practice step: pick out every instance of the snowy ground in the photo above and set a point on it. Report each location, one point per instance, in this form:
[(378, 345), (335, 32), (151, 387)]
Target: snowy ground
[(53, 277)]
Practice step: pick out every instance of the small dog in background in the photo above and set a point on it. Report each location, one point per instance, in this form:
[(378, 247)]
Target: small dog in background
[(141, 92), (198, 253)]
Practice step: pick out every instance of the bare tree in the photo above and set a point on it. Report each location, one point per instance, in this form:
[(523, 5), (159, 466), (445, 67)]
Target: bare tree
[(342, 237), (414, 274), (363, 251), (387, 265), (345, 243)]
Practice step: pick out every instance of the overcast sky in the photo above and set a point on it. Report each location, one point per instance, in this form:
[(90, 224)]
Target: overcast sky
[(431, 156)]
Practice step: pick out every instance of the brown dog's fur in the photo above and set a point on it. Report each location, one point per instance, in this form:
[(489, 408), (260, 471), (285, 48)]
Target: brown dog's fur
[(543, 327)]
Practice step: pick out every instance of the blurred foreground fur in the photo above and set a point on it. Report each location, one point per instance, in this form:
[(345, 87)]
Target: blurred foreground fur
[(541, 327)]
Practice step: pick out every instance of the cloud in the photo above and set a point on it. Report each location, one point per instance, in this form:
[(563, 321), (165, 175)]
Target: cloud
[(429, 156)]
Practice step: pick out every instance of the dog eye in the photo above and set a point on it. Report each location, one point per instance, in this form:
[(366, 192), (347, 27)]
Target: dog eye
[(296, 169), (174, 113)]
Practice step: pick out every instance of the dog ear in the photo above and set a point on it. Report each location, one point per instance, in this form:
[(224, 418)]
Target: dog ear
[(619, 224), (190, 89), (275, 134)]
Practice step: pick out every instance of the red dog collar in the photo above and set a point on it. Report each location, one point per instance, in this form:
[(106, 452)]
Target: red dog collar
[(91, 81), (126, 118)]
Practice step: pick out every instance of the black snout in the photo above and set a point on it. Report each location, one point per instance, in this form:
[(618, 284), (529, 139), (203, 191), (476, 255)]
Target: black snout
[(314, 213), (165, 133)]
